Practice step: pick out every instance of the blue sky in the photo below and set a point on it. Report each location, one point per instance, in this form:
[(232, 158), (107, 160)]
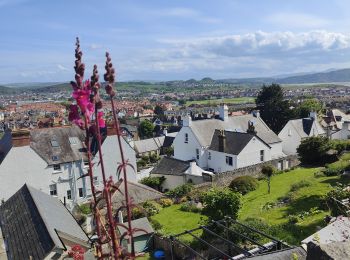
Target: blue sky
[(166, 40)]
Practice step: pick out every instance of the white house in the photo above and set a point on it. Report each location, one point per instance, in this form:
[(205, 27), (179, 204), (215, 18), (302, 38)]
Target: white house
[(343, 133), (193, 140), (230, 150), (177, 172), (298, 129), (54, 161)]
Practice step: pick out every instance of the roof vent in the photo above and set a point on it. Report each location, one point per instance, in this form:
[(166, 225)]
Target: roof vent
[(54, 143)]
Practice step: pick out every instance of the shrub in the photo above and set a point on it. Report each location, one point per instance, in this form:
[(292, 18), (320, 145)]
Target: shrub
[(137, 213), (313, 150), (299, 185), (332, 200), (145, 158), (190, 207), (141, 164), (180, 191), (165, 202), (331, 172), (153, 182), (151, 208), (219, 203), (292, 219), (319, 174), (244, 184), (155, 224), (85, 209), (154, 158)]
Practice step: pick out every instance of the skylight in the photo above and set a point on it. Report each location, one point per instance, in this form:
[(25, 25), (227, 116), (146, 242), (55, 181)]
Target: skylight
[(55, 158), (73, 140), (54, 143)]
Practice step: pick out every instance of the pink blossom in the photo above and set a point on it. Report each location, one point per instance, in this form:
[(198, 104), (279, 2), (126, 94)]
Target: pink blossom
[(101, 121)]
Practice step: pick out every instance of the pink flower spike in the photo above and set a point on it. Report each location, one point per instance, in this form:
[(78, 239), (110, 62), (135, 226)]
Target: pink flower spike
[(101, 121)]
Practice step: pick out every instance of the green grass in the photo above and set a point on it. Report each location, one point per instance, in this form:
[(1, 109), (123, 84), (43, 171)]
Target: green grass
[(239, 100), (302, 201), (342, 163), (175, 221)]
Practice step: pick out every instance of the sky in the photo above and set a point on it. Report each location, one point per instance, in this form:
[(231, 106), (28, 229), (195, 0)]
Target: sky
[(170, 40)]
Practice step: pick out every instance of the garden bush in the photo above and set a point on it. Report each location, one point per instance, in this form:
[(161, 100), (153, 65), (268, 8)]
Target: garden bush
[(85, 209), (155, 224), (335, 195), (331, 172), (190, 206), (151, 208), (244, 184), (180, 191), (299, 185), (165, 202), (138, 213), (153, 182)]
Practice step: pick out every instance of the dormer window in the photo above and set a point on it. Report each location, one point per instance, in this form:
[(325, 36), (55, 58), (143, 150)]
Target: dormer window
[(55, 158), (54, 143), (73, 140), (186, 138)]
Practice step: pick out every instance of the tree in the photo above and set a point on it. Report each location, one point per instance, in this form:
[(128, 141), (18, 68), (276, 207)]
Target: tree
[(268, 170), (307, 106), (158, 110), (146, 129), (219, 203), (313, 150), (273, 109)]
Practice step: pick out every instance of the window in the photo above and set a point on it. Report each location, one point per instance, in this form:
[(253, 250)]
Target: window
[(54, 143), (186, 138), (86, 164), (55, 158), (81, 192), (262, 155), (95, 179), (197, 154), (53, 189), (229, 160), (69, 194), (73, 140), (209, 155), (289, 132), (56, 167)]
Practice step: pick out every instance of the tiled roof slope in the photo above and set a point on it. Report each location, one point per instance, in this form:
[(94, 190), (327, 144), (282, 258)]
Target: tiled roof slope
[(29, 221), (40, 142)]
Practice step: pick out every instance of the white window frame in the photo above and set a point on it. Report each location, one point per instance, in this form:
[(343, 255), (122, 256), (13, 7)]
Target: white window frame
[(262, 155), (59, 169), (53, 189), (69, 194)]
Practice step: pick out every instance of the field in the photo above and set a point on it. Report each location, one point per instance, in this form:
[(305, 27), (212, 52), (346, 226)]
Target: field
[(240, 100)]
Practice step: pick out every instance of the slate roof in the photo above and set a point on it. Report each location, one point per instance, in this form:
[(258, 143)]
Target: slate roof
[(138, 192), (282, 255), (337, 231), (41, 142), (170, 166), (148, 145), (141, 223), (29, 221), (204, 129), (235, 141), (303, 127)]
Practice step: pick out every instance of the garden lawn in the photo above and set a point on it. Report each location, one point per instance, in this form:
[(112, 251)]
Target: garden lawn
[(303, 200), (175, 221)]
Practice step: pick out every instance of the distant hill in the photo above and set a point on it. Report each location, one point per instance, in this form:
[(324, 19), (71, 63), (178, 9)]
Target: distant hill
[(7, 90), (322, 77)]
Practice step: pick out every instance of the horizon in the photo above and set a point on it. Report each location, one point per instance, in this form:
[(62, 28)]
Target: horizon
[(162, 41)]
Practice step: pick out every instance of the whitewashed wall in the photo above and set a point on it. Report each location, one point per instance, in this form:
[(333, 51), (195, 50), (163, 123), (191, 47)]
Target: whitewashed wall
[(23, 165), (290, 139), (251, 153)]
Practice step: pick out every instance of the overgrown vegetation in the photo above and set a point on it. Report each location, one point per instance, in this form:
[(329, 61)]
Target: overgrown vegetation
[(153, 182), (244, 184)]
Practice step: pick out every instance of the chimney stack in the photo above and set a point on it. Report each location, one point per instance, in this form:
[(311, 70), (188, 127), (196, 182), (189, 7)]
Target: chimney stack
[(186, 121), (223, 112), (222, 141), (313, 115)]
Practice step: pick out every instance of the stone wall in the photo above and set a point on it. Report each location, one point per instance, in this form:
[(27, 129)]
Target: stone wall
[(225, 178)]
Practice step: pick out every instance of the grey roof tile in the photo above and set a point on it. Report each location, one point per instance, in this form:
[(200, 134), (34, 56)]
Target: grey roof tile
[(170, 166)]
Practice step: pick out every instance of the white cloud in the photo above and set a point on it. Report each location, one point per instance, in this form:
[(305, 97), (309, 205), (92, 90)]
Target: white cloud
[(62, 68)]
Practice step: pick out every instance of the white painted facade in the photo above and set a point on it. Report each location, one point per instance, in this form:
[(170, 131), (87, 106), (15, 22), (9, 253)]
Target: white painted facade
[(185, 148), (250, 155), (34, 171), (291, 135), (343, 133)]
